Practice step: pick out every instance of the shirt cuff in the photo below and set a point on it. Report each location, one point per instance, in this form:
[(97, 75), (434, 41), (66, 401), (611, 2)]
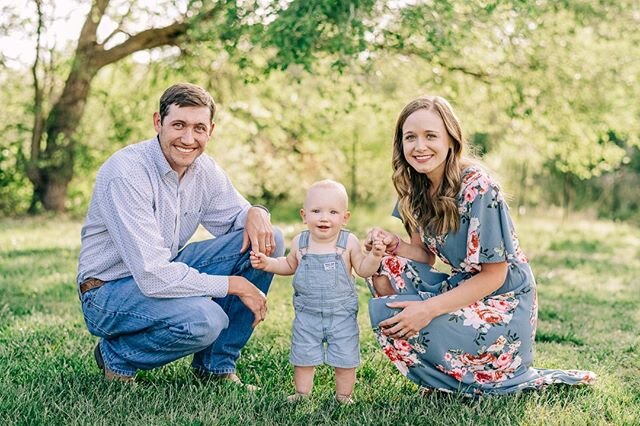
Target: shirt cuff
[(218, 286), (260, 206), (241, 219)]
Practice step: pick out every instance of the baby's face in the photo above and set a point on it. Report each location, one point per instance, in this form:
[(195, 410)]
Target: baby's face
[(325, 212)]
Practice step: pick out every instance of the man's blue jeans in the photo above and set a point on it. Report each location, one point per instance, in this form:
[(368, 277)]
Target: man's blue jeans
[(139, 332)]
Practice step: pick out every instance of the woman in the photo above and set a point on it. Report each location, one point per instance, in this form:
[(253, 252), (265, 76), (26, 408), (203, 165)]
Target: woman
[(471, 331)]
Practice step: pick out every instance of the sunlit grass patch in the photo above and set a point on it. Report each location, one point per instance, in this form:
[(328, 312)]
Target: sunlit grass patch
[(589, 318)]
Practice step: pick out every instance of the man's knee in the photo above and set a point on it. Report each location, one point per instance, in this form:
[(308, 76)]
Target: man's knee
[(208, 322), (280, 245)]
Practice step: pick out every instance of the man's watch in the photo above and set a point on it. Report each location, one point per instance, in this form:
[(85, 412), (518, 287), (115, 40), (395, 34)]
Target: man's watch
[(260, 206)]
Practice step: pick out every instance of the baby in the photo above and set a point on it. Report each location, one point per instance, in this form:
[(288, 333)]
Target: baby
[(324, 299)]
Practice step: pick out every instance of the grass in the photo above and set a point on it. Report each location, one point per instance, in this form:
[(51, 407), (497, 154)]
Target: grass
[(589, 295)]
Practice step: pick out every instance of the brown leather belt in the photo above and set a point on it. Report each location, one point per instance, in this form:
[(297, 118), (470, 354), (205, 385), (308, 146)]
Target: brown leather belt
[(90, 284)]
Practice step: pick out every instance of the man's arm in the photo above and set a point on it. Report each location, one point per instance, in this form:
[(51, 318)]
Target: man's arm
[(126, 207), (253, 298), (258, 231), (228, 210)]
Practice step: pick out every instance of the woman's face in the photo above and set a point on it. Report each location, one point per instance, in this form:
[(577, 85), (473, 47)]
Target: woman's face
[(425, 143)]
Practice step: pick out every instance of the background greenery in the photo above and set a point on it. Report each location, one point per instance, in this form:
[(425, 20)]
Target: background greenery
[(589, 319), (547, 92), (308, 89)]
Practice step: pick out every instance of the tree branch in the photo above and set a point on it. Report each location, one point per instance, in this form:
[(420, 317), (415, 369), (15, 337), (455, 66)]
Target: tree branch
[(38, 118), (151, 38), (144, 40), (120, 26), (480, 74), (88, 33)]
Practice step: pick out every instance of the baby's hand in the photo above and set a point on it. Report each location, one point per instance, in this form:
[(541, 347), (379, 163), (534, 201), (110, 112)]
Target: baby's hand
[(378, 248), (258, 260)]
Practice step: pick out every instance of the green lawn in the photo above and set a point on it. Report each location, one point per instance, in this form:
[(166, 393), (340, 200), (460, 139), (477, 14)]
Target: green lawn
[(589, 293)]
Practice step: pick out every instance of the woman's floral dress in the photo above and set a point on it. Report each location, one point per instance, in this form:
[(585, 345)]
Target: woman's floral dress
[(486, 347)]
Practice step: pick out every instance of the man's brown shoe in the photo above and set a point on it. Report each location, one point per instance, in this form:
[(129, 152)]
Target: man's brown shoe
[(108, 374), (233, 378), (230, 377)]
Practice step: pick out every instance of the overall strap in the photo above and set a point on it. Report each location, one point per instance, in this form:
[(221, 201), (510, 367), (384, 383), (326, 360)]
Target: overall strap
[(343, 239), (303, 242)]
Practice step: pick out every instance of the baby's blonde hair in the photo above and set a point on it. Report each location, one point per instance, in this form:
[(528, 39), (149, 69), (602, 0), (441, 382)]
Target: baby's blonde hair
[(328, 183)]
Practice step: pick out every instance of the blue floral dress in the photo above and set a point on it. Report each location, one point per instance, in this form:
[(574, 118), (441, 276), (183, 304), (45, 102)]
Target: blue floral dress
[(486, 347)]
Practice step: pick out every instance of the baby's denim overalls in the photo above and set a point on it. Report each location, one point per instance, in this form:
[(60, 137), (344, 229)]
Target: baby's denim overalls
[(326, 306)]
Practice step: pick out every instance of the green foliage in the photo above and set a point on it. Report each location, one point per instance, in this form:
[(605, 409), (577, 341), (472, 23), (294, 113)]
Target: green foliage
[(14, 188), (303, 27), (589, 302), (15, 191), (310, 89)]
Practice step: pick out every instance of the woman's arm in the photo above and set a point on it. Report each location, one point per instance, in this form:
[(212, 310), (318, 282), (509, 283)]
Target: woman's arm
[(414, 250), (417, 315)]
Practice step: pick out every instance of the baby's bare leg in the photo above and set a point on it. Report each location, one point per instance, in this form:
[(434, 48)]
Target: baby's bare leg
[(303, 379), (345, 381), (382, 285)]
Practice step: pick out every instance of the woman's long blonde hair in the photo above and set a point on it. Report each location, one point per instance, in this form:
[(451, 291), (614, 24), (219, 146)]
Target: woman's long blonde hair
[(436, 214)]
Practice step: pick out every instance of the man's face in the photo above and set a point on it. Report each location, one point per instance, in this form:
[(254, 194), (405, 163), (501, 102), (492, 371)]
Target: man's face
[(184, 134)]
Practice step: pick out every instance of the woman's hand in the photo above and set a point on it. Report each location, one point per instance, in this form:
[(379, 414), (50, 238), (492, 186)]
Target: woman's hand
[(415, 316), (378, 248), (389, 239)]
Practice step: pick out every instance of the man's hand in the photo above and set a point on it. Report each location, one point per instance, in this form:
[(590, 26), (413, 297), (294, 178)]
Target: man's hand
[(259, 232), (254, 299)]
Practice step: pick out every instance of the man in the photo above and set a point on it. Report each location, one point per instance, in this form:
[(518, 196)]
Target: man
[(149, 298)]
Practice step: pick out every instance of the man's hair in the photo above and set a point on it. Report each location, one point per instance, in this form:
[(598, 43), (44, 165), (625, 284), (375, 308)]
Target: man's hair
[(186, 95)]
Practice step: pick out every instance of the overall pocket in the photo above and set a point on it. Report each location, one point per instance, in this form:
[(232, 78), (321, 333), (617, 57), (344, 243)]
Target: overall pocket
[(321, 274)]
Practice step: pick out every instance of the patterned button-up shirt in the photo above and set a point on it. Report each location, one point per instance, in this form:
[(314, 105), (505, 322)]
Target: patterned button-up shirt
[(141, 215)]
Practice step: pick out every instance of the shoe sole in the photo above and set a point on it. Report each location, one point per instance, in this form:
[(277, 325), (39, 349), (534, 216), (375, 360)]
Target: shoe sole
[(206, 377), (98, 356), (108, 374)]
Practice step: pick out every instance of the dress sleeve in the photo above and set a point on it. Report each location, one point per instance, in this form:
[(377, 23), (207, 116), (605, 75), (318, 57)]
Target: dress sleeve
[(396, 211), (490, 235)]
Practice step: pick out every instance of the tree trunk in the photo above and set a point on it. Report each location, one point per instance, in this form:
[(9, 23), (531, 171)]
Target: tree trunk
[(523, 184), (31, 166), (51, 170), (55, 194), (354, 169), (566, 195), (56, 165)]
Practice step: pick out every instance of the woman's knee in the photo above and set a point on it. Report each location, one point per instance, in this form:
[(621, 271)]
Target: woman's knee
[(382, 285)]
